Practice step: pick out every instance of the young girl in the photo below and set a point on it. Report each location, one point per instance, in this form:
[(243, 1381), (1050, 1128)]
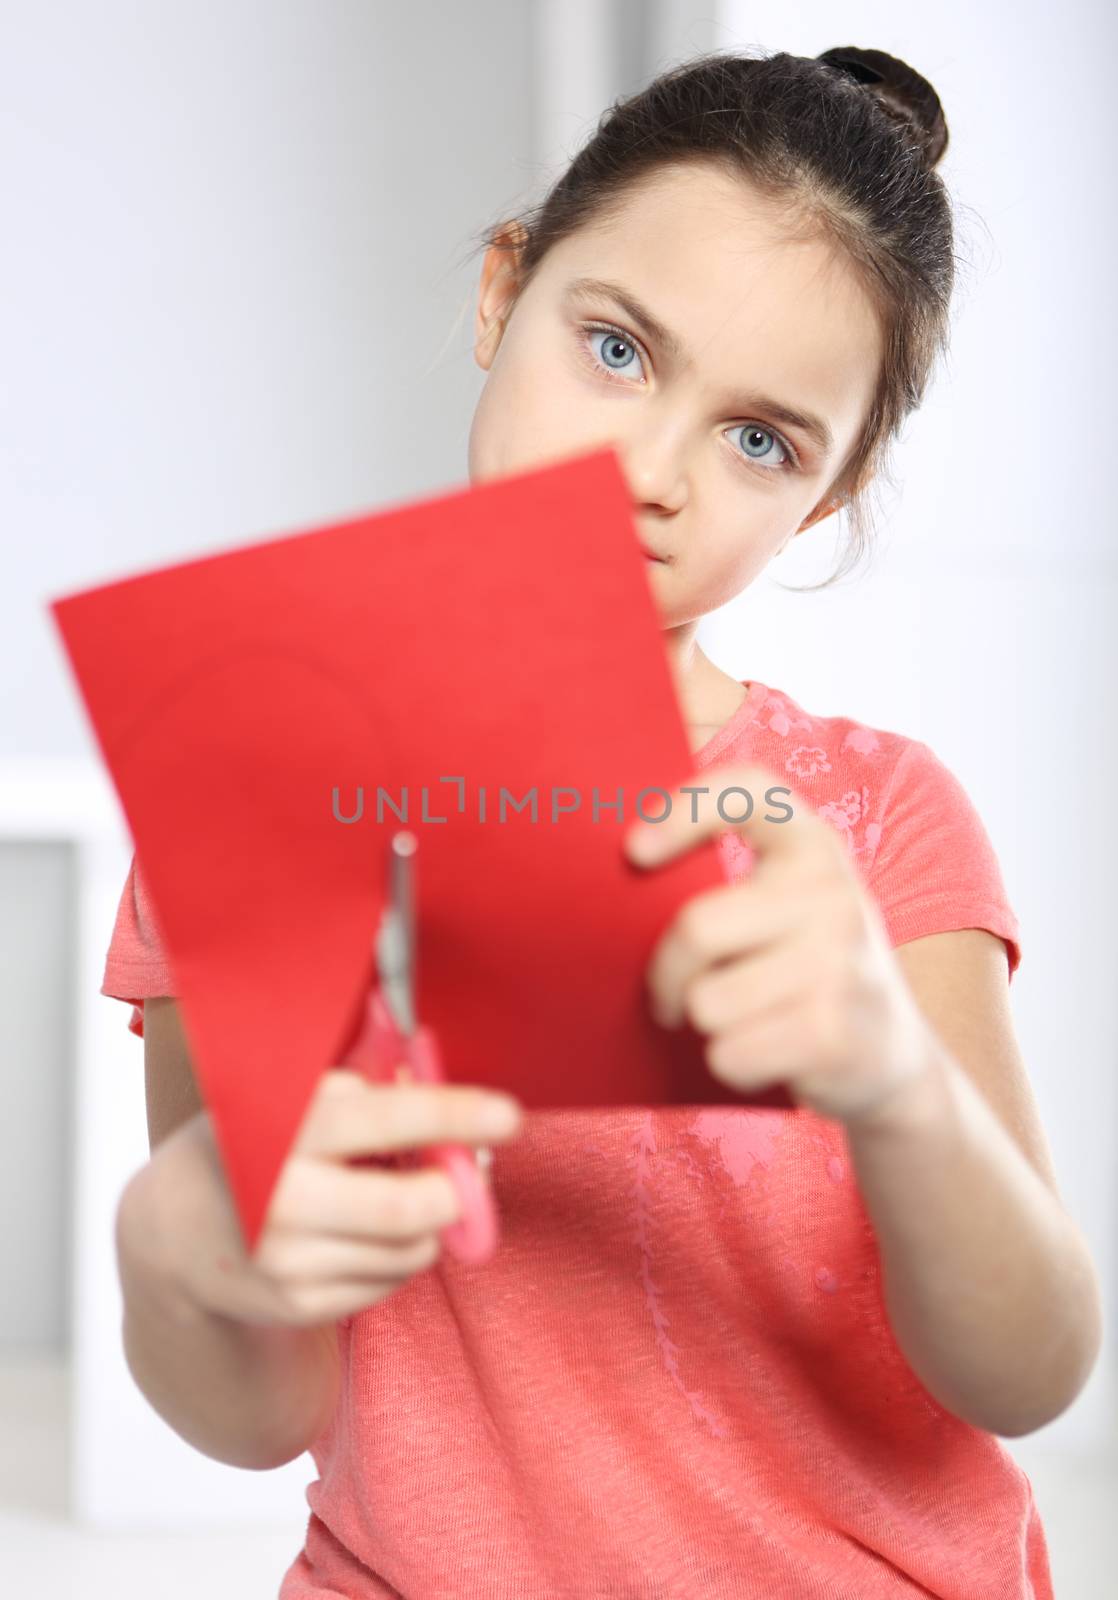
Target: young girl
[(735, 1352)]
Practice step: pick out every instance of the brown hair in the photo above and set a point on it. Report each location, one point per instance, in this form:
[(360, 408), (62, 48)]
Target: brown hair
[(846, 144)]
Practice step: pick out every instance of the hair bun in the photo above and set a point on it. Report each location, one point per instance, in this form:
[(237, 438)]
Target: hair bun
[(900, 91)]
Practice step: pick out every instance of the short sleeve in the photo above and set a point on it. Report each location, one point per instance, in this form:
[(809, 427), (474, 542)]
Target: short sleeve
[(136, 966), (935, 868)]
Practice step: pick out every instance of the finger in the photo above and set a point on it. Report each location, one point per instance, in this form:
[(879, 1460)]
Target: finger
[(740, 992), (729, 921), (768, 1049), (350, 1116), (305, 1257), (748, 800), (311, 1304), (391, 1206)]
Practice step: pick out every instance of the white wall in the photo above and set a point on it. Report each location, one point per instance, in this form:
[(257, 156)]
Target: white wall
[(231, 267), (985, 625), (230, 284)]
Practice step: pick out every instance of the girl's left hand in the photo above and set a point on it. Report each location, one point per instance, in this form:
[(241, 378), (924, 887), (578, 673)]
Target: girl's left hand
[(791, 974)]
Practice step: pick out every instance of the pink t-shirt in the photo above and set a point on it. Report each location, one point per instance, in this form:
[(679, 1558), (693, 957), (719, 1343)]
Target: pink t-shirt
[(677, 1374)]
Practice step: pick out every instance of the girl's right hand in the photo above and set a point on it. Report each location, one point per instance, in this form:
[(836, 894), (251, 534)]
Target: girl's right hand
[(336, 1238)]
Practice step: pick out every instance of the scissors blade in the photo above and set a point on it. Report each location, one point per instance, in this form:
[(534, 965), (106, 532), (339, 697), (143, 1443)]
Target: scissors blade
[(396, 938)]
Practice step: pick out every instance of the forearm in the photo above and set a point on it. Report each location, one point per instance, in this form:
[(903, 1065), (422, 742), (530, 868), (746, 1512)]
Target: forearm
[(988, 1284), (249, 1395)]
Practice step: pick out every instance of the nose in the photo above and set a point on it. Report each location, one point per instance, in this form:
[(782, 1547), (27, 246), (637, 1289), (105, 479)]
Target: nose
[(653, 476)]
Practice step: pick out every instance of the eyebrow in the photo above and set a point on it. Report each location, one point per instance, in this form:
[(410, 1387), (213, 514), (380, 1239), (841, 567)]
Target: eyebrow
[(815, 427)]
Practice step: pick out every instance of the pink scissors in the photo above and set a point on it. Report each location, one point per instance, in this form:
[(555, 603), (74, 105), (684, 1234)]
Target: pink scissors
[(392, 1039)]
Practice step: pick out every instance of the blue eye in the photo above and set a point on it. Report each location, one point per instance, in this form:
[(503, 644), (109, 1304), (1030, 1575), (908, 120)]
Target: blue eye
[(615, 339), (604, 364), (750, 428)]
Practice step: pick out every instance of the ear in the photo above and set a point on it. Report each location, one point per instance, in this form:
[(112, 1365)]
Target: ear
[(497, 292), (835, 503), (817, 515)]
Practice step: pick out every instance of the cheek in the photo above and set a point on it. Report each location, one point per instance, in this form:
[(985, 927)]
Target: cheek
[(758, 537), (718, 569), (739, 548), (497, 434), (517, 424)]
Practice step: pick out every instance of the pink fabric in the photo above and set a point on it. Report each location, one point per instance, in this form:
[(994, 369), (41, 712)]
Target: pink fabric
[(677, 1375)]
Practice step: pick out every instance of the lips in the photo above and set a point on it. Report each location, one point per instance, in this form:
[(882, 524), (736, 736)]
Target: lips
[(651, 554)]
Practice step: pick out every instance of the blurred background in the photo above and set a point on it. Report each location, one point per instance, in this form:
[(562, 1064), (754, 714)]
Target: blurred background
[(236, 300)]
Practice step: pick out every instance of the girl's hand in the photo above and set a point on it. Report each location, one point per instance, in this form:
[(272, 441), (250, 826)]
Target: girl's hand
[(791, 974), (337, 1238)]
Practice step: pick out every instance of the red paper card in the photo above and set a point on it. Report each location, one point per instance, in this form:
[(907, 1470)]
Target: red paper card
[(499, 637)]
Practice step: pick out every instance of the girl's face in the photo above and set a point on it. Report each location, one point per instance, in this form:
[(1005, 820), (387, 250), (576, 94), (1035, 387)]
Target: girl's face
[(749, 324)]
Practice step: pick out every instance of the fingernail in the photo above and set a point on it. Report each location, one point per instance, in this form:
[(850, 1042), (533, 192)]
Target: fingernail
[(641, 844), (501, 1114)]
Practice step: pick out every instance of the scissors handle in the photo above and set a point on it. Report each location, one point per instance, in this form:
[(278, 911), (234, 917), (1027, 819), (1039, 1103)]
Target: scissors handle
[(382, 1052)]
